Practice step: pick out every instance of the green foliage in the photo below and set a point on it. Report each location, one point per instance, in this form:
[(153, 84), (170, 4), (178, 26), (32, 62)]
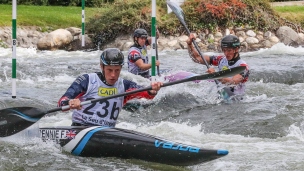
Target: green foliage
[(88, 3), (2, 44), (48, 18), (123, 17), (209, 14), (119, 17)]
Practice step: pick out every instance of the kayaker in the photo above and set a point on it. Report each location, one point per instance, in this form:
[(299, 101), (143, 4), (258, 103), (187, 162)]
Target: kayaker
[(138, 61), (230, 45), (101, 84)]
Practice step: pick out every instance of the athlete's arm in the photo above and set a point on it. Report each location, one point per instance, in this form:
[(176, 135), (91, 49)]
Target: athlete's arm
[(135, 57), (143, 66), (76, 90), (193, 53)]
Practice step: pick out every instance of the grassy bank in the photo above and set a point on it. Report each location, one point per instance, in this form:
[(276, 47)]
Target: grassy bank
[(54, 17), (49, 17), (292, 13)]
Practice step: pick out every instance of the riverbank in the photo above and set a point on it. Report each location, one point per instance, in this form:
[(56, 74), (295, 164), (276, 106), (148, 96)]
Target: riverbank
[(70, 39)]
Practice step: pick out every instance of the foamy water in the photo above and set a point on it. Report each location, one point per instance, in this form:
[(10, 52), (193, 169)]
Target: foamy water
[(264, 132)]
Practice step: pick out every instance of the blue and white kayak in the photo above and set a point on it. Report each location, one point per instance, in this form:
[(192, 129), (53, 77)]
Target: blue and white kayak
[(101, 141)]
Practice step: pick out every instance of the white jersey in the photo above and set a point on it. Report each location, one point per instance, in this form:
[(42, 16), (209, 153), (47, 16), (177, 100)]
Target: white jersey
[(103, 113), (223, 65), (135, 54)]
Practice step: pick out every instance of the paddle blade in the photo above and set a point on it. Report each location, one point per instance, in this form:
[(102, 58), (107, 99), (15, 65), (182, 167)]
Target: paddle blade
[(16, 119), (177, 11)]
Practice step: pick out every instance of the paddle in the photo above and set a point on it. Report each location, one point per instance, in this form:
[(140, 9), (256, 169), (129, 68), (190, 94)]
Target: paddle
[(16, 119), (180, 15)]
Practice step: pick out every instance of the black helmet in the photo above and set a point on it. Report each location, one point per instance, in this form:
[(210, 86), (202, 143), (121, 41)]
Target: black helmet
[(230, 41), (112, 56), (140, 33)]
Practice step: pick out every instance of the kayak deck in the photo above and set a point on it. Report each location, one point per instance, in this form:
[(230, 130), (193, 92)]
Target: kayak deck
[(101, 141)]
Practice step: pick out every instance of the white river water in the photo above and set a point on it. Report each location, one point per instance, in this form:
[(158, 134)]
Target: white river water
[(263, 132)]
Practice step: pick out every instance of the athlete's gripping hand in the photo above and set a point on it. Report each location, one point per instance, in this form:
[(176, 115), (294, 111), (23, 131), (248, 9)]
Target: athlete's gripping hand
[(211, 70), (75, 104), (190, 39), (155, 87)]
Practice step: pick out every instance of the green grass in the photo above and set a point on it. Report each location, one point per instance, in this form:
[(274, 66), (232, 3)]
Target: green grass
[(292, 13), (46, 16), (54, 17)]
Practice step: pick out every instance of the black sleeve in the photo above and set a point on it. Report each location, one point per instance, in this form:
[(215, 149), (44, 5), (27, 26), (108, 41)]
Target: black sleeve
[(80, 85)]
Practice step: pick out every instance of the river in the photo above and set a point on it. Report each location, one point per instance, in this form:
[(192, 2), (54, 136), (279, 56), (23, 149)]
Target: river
[(263, 132)]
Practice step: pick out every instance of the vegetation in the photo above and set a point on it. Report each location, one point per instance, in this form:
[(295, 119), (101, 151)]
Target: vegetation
[(124, 16), (107, 19), (291, 13), (46, 17)]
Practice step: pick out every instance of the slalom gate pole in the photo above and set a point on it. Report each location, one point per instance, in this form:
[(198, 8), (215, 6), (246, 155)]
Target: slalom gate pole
[(14, 44), (153, 35), (82, 24)]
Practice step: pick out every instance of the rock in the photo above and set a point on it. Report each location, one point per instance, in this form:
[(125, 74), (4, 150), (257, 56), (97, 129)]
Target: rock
[(74, 31), (301, 35), (58, 39), (70, 39), (162, 41), (241, 39), (172, 43), (252, 40), (288, 36), (267, 34), (183, 45), (227, 32), (274, 39), (244, 47), (250, 33), (218, 35), (260, 37), (241, 34), (76, 44), (183, 38), (266, 43)]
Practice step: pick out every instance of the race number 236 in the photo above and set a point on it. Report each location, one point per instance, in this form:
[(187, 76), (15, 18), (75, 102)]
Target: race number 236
[(107, 110)]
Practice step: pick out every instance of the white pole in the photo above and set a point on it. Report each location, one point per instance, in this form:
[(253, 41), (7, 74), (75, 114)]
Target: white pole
[(153, 45), (14, 43), (82, 25)]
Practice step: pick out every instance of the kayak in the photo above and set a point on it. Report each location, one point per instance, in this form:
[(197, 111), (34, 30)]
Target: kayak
[(98, 141)]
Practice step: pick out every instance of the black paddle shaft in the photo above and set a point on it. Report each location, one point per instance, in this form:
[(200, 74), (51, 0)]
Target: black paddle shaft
[(16, 119)]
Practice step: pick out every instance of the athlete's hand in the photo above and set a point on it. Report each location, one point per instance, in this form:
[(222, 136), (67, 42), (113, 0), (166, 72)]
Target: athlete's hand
[(75, 104), (155, 87), (191, 37), (157, 63), (211, 70), (238, 78)]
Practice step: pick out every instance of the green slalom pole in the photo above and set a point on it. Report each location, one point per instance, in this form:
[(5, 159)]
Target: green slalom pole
[(14, 44), (153, 42), (82, 24)]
